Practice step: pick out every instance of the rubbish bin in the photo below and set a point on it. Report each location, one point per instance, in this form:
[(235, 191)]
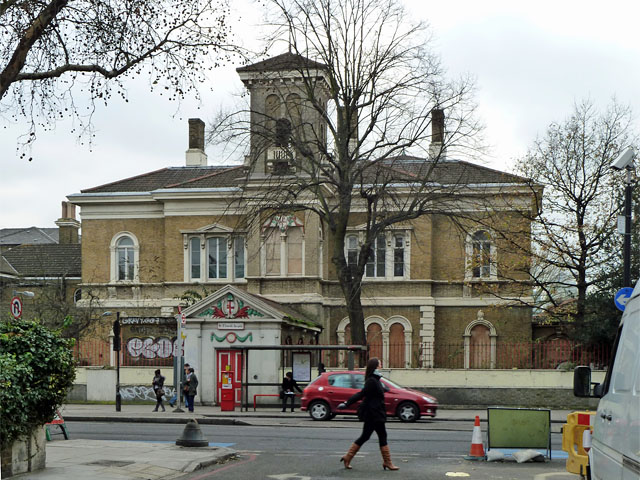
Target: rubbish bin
[(572, 441)]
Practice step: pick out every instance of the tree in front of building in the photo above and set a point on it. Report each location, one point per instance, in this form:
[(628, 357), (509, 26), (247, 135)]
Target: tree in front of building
[(36, 371), (363, 94), (58, 58), (575, 237)]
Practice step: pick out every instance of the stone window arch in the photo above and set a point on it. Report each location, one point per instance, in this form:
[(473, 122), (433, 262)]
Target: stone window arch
[(125, 257), (480, 353)]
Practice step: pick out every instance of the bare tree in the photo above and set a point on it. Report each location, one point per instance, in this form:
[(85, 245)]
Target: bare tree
[(50, 50), (577, 227), (357, 125)]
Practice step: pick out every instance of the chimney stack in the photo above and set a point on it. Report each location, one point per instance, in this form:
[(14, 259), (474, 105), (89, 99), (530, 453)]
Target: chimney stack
[(436, 150), (195, 156), (68, 225)]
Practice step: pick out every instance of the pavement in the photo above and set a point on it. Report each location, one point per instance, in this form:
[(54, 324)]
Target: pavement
[(124, 460)]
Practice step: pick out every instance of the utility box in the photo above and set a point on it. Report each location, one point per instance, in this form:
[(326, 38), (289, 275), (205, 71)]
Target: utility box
[(227, 392)]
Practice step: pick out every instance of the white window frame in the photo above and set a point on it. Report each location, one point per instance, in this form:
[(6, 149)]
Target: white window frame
[(469, 254), (231, 240), (390, 236), (113, 248)]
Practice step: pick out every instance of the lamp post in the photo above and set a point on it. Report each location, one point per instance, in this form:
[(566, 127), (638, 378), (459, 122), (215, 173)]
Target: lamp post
[(116, 348), (24, 293), (625, 161)]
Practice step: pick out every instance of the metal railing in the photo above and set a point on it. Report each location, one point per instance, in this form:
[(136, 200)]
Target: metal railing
[(556, 354)]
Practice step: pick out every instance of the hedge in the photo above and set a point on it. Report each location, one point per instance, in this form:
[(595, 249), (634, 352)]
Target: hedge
[(36, 371)]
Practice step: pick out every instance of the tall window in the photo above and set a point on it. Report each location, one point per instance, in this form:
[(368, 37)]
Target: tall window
[(352, 250), (238, 256), (398, 256), (223, 258), (294, 251), (216, 257), (195, 257), (481, 267), (377, 257), (273, 251), (124, 252), (283, 247), (126, 258)]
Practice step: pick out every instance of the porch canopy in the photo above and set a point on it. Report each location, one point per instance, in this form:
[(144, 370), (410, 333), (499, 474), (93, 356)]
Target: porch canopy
[(284, 349)]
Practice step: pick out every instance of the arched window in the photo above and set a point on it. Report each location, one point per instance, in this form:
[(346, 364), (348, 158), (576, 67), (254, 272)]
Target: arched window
[(481, 256), (124, 257), (77, 295)]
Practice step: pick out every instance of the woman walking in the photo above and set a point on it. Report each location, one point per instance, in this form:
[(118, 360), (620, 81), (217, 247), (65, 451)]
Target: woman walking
[(372, 412), (158, 389)]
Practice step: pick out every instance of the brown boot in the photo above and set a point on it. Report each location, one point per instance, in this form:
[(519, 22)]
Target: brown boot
[(386, 459), (353, 449)]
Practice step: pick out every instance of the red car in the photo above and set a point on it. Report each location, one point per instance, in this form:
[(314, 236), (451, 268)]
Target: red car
[(323, 395)]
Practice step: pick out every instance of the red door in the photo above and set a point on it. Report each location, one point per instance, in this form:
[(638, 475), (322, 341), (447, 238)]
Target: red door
[(232, 359)]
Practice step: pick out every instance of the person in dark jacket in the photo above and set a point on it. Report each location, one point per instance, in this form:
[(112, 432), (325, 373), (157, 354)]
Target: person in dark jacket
[(373, 413), (191, 384), (288, 384), (158, 389)]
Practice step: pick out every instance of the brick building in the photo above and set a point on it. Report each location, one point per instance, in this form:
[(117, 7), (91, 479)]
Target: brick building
[(150, 241)]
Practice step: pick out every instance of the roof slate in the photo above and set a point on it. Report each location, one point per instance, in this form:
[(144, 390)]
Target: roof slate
[(171, 177), (403, 168), (28, 235), (45, 260)]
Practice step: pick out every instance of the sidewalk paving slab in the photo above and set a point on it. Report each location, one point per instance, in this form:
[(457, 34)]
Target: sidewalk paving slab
[(123, 460)]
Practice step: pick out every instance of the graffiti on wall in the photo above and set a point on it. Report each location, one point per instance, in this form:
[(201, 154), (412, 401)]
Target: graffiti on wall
[(149, 341), (161, 347), (142, 392)]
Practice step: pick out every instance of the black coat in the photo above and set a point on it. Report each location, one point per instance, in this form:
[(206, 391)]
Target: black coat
[(372, 395), (289, 384)]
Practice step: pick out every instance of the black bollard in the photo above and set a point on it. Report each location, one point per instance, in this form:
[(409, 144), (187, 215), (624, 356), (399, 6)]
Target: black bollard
[(192, 436)]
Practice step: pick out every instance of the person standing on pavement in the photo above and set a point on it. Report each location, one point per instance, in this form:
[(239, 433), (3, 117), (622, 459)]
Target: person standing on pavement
[(191, 388), (372, 411), (180, 390), (158, 389), (288, 384)]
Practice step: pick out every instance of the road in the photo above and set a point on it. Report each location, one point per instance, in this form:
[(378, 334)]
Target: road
[(312, 450)]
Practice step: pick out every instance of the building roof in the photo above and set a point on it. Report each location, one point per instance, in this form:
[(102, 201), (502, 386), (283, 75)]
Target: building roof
[(173, 177), (53, 260), (286, 61), (401, 169), (28, 235)]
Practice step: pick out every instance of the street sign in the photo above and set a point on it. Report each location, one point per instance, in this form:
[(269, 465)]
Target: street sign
[(16, 307), (183, 319), (622, 297)]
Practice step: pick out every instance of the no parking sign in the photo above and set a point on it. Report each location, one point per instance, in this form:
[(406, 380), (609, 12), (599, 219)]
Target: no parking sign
[(16, 307)]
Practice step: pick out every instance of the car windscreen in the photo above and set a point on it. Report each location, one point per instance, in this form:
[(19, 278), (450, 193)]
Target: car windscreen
[(392, 384)]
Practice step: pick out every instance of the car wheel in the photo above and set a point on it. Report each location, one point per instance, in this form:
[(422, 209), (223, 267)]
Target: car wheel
[(408, 412), (320, 411)]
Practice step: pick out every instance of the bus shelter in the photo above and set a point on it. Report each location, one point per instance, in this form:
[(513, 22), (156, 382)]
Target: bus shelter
[(297, 356)]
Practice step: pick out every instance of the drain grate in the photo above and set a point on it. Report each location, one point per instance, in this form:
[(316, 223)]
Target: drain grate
[(111, 463)]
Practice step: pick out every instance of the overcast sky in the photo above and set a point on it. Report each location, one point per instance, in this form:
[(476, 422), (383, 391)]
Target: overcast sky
[(531, 61)]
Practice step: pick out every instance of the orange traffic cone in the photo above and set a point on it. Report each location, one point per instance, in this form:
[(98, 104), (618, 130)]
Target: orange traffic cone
[(477, 449)]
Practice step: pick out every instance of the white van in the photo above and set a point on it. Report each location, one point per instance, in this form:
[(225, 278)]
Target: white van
[(615, 451)]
